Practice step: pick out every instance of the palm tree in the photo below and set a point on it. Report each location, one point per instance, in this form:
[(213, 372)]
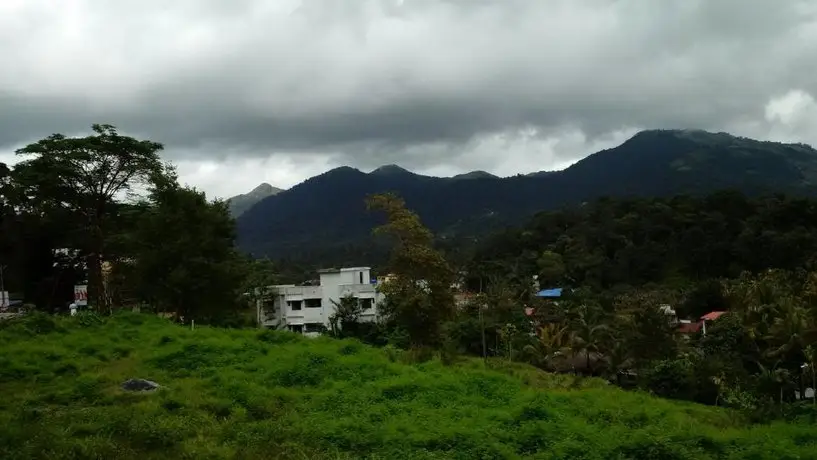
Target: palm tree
[(588, 335), (788, 328), (619, 358), (774, 376), (552, 340)]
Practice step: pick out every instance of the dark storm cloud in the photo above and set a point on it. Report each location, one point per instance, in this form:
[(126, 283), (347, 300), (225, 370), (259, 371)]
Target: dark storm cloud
[(374, 81)]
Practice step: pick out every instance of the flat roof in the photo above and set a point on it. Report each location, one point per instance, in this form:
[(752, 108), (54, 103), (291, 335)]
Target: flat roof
[(345, 269)]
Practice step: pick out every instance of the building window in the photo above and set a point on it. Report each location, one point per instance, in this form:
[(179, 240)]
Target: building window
[(365, 304), (312, 303), (314, 327), (294, 305), (361, 277), (298, 328)]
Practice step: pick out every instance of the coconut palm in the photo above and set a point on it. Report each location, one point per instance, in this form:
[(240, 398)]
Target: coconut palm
[(788, 328), (589, 334), (774, 377), (552, 341)]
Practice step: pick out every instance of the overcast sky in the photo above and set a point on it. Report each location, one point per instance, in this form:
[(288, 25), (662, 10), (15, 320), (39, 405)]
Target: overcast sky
[(245, 91)]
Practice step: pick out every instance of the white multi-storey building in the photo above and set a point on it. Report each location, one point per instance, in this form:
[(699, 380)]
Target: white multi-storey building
[(307, 309)]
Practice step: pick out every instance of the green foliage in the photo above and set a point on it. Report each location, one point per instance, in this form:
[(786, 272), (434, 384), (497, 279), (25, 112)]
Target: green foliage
[(551, 269), (644, 327), (419, 297), (184, 259), (346, 319), (259, 275), (79, 181), (30, 325), (611, 242), (673, 378), (227, 394)]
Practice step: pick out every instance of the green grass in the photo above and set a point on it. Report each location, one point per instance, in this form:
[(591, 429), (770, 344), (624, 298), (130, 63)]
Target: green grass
[(253, 394)]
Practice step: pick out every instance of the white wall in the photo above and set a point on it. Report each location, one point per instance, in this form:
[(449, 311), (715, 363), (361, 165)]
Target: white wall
[(330, 291), (352, 275), (334, 285)]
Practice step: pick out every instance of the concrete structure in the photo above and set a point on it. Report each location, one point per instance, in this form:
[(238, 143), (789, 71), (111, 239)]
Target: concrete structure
[(307, 309)]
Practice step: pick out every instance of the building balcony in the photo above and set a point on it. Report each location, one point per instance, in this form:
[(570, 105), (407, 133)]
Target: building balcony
[(358, 290), (300, 292)]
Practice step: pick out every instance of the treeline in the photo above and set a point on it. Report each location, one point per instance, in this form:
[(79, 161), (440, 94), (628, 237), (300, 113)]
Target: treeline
[(618, 319), (614, 242), (106, 211)]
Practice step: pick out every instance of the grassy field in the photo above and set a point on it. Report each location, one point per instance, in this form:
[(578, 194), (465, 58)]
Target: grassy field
[(252, 394)]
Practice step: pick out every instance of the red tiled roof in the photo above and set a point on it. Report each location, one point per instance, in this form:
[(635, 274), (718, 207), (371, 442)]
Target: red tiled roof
[(689, 328), (712, 315)]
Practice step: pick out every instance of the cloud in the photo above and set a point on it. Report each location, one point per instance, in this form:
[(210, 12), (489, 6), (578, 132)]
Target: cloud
[(434, 85)]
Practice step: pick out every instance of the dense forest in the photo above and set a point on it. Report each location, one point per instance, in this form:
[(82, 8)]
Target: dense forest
[(681, 239)]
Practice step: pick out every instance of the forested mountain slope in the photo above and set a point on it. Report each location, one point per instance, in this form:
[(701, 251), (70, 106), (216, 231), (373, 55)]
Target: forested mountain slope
[(325, 216)]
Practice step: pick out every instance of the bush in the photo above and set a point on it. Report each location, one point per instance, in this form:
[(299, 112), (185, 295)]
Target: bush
[(34, 323), (89, 319), (672, 378)]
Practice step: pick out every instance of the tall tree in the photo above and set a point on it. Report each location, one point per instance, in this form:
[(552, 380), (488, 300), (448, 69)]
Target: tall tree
[(82, 178), (419, 299), (27, 239), (184, 260), (259, 277)]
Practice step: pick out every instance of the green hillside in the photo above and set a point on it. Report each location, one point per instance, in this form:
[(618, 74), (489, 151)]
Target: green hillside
[(251, 394)]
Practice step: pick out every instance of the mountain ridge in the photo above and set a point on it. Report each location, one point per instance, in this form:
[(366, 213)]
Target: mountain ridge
[(327, 212)]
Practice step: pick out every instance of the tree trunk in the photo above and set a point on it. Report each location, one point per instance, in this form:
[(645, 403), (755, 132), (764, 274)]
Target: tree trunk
[(96, 286), (96, 296)]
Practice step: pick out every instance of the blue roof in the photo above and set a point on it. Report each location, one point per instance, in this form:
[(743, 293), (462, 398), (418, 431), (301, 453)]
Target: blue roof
[(556, 292)]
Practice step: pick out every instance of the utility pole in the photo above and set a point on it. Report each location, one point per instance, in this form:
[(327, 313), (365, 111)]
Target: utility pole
[(482, 324)]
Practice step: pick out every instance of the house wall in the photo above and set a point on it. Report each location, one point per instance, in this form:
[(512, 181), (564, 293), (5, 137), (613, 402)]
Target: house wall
[(278, 313), (329, 285)]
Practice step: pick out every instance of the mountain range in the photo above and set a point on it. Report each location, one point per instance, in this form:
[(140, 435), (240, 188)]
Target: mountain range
[(324, 218)]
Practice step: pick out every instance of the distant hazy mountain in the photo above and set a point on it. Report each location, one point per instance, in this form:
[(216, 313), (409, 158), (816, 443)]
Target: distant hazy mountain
[(239, 204), (476, 175), (540, 173), (391, 170), (326, 214)]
